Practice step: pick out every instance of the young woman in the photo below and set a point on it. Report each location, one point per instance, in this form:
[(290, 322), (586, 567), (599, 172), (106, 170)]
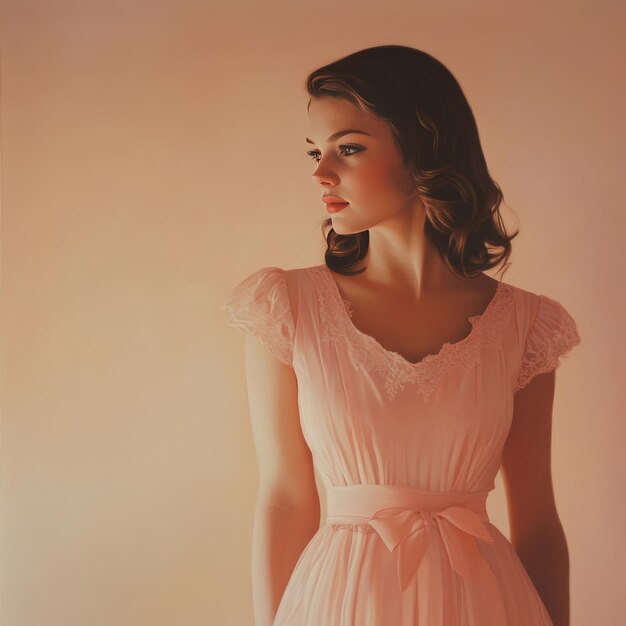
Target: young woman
[(404, 375)]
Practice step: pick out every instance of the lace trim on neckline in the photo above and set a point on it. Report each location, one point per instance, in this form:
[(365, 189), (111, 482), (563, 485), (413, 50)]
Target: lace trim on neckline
[(366, 352)]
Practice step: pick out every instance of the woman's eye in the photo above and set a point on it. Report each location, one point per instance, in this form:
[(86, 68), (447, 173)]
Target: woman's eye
[(314, 154)]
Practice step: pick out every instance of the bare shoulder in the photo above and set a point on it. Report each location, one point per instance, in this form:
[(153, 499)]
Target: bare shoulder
[(476, 293), (483, 281)]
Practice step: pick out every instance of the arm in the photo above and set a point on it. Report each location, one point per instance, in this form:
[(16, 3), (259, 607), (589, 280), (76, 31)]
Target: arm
[(536, 531), (287, 510)]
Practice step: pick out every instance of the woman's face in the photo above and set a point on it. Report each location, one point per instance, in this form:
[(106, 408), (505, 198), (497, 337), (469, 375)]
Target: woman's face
[(364, 170)]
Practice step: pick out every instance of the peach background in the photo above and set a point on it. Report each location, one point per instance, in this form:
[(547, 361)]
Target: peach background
[(153, 155)]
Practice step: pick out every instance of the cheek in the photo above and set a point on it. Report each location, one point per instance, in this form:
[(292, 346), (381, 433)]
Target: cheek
[(372, 176), (381, 181)]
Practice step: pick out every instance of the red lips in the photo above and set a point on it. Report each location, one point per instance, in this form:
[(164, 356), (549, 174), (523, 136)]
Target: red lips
[(333, 199)]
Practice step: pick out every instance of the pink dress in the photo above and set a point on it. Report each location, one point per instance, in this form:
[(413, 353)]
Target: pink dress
[(407, 453)]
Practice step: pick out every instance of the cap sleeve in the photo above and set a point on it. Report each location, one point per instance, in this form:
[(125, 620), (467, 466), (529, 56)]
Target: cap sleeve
[(260, 305), (552, 335)]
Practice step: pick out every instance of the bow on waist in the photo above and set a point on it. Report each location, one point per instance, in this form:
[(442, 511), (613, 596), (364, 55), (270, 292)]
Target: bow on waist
[(409, 532), (405, 518)]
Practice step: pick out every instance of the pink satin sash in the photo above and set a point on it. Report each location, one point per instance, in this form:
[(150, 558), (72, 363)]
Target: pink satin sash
[(405, 519)]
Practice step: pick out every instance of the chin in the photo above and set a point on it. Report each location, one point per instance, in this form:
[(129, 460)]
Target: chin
[(347, 229), (344, 231)]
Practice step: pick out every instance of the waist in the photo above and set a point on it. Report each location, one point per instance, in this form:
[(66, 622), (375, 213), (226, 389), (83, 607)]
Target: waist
[(409, 521), (356, 503)]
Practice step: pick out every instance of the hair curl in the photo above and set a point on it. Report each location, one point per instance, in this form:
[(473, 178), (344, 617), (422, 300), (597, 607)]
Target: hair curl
[(435, 131)]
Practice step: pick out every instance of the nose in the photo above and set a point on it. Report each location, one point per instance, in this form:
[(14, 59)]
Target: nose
[(325, 177)]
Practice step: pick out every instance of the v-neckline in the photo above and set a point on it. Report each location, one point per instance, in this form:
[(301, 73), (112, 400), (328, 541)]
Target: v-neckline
[(476, 322)]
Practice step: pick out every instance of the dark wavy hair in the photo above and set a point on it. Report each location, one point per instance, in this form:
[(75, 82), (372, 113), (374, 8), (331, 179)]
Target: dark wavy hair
[(435, 131)]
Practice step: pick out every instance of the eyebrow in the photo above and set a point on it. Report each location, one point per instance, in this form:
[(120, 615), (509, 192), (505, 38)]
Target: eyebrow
[(341, 133)]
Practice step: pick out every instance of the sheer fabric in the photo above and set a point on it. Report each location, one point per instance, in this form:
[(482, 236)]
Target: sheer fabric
[(407, 453)]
